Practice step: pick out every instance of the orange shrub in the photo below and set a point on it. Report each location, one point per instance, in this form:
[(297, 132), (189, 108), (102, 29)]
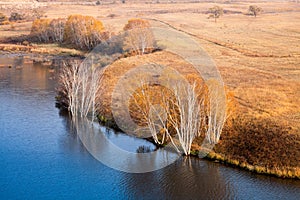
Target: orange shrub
[(139, 37), (136, 23)]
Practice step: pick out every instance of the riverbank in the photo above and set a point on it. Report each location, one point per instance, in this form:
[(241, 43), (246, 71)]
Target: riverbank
[(41, 49), (237, 160), (258, 60), (259, 144), (278, 172), (238, 147), (233, 160)]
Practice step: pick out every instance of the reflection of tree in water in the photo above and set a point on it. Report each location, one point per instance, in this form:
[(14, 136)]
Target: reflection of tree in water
[(95, 140), (143, 149), (187, 178), (70, 140)]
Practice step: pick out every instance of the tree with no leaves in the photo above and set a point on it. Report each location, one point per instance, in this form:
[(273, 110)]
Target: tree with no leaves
[(215, 12), (254, 10), (79, 85), (57, 27)]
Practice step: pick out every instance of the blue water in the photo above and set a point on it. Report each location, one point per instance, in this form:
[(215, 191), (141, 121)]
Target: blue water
[(42, 158)]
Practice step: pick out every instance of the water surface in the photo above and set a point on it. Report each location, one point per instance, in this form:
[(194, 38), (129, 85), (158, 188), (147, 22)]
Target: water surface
[(42, 158)]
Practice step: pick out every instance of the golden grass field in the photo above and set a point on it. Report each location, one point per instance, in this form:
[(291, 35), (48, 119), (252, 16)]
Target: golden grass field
[(258, 58)]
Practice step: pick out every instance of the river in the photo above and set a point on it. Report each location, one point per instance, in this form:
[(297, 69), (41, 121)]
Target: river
[(41, 157)]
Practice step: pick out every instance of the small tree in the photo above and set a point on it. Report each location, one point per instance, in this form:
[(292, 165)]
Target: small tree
[(216, 111), (254, 10), (139, 37), (215, 12)]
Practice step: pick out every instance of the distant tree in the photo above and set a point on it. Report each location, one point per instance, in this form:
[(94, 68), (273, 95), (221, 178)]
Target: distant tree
[(3, 18), (136, 23), (215, 12), (98, 3), (85, 32), (139, 36), (254, 10)]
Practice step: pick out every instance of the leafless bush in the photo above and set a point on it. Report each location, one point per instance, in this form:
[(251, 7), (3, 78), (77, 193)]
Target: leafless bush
[(79, 83)]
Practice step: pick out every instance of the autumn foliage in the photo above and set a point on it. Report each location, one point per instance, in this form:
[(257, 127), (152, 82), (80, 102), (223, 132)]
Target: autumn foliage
[(46, 30), (136, 23), (57, 27), (139, 37), (84, 32), (41, 30)]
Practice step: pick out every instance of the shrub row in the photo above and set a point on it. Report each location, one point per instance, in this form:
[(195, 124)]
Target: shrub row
[(82, 32)]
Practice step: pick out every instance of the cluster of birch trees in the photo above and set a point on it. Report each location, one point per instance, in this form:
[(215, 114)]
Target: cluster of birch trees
[(83, 32), (79, 85), (139, 38), (182, 113)]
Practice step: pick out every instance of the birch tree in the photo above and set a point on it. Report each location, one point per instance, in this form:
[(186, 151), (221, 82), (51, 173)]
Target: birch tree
[(188, 106), (176, 115), (150, 108), (57, 27), (139, 37), (79, 83), (85, 32), (69, 86), (40, 30), (216, 111)]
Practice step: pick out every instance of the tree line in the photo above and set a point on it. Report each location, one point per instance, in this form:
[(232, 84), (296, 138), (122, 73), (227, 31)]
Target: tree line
[(82, 32), (86, 32)]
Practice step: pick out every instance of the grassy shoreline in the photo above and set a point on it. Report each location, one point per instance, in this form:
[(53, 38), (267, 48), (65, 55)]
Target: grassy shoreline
[(281, 173), (43, 49), (226, 158)]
